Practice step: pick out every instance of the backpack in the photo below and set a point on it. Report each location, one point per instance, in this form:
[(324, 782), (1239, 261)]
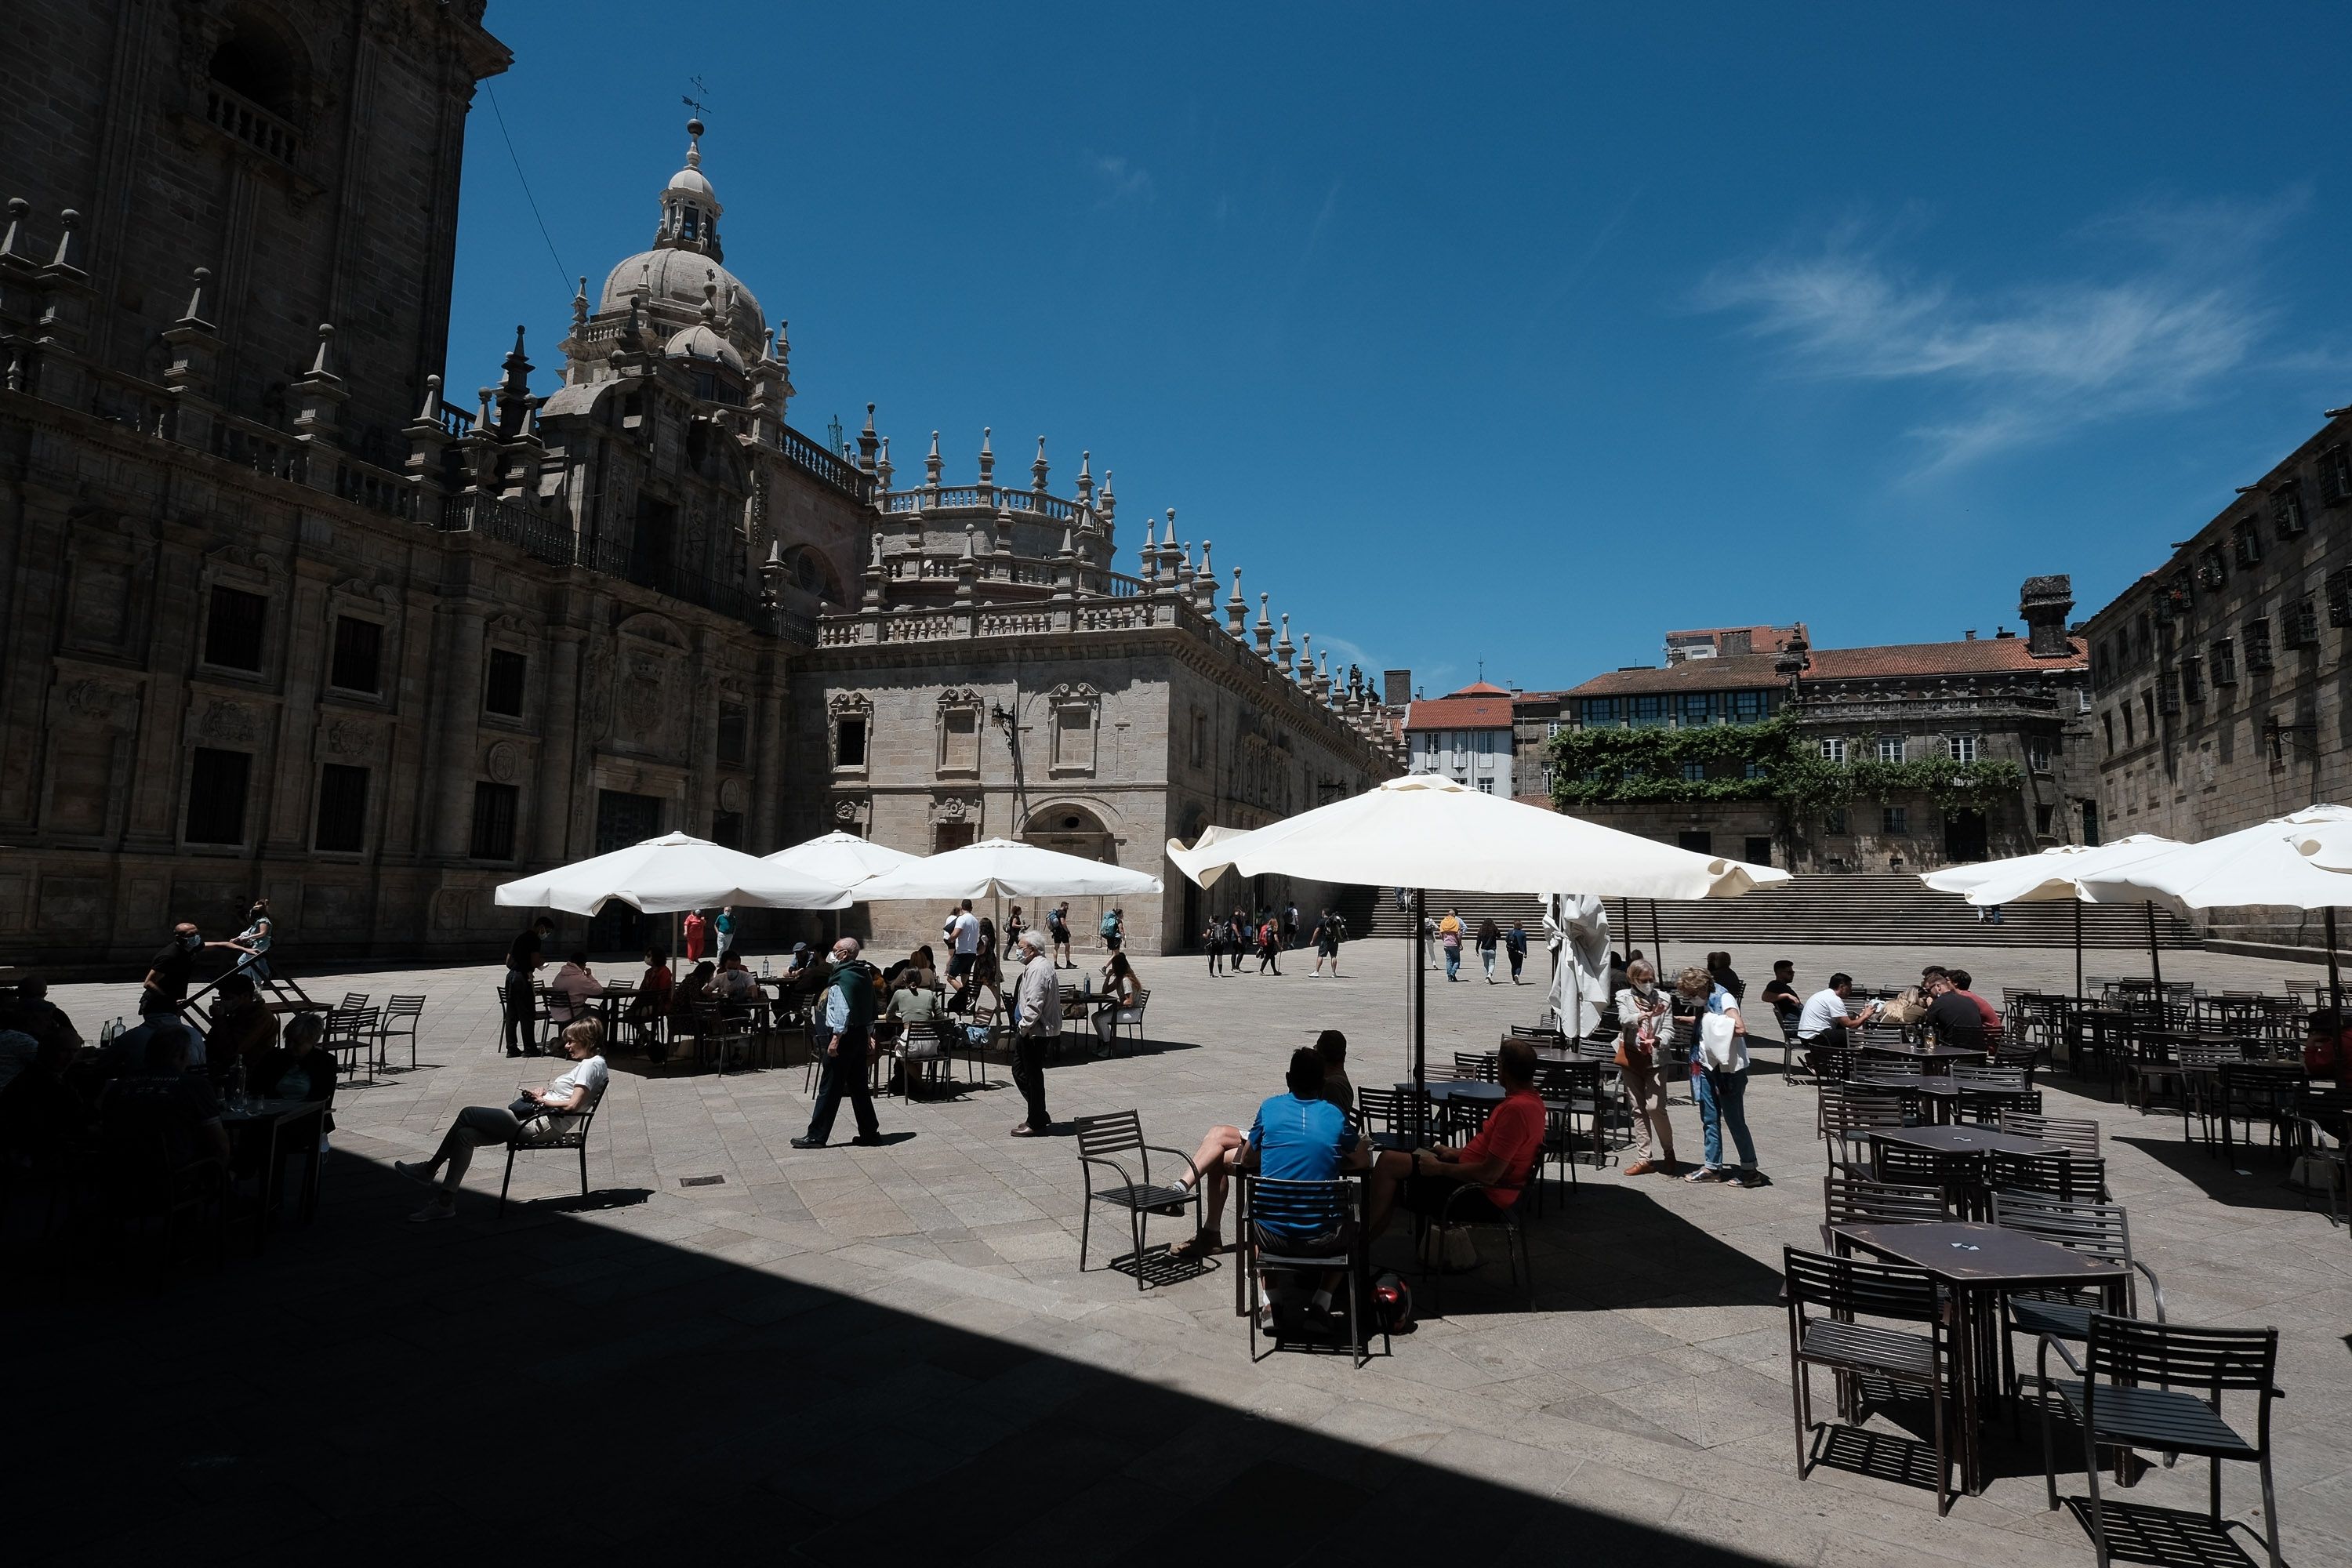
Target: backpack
[(1109, 926), (2322, 1057), (855, 980)]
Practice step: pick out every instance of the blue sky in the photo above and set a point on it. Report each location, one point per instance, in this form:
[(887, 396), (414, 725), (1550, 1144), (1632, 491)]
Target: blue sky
[(1494, 334)]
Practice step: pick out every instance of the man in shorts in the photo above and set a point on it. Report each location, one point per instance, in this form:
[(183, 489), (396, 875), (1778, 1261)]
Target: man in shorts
[(1497, 1163)]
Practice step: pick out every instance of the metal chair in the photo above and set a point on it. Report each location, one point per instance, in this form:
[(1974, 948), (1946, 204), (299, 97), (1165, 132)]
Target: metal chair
[(403, 1016), (1570, 1089), (1984, 1108), (1849, 1115), (574, 1135), (1383, 1115), (1474, 1067), (1114, 1141), (2076, 1134), (2093, 1229), (1313, 1209), (923, 1053), (1844, 1291), (1857, 1200), (354, 1031), (2060, 1174), (2127, 1414), (1485, 1215)]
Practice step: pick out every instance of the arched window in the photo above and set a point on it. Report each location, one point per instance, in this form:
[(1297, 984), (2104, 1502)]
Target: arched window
[(255, 63)]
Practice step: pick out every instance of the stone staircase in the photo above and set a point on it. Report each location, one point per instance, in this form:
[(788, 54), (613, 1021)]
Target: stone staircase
[(1857, 909)]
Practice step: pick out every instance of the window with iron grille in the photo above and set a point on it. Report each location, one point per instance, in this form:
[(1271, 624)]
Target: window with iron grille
[(2210, 571), (502, 683), (2245, 545), (359, 655), (734, 725), (494, 821), (2335, 476), (2167, 693), (2339, 597), (2258, 643), (2223, 660), (2301, 627), (1836, 822), (2192, 678), (343, 808), (234, 628), (1896, 819), (216, 788), (2286, 509)]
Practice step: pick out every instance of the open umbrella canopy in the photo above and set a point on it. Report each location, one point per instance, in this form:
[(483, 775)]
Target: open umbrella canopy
[(2053, 875), (2326, 843), (1424, 831), (2262, 865), (843, 859), (675, 871), (996, 866)]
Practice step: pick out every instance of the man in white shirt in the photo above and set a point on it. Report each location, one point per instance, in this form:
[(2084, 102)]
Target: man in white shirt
[(1037, 1021), (1827, 1014), (534, 1115)]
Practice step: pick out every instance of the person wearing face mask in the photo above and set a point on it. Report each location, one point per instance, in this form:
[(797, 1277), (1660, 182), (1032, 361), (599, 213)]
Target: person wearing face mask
[(166, 985), (1645, 1026)]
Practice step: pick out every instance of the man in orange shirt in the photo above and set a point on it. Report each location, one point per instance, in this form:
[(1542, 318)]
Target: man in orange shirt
[(1500, 1160)]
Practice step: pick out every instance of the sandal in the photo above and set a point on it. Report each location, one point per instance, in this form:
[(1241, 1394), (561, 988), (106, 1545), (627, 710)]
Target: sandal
[(1705, 1173), (1206, 1242)]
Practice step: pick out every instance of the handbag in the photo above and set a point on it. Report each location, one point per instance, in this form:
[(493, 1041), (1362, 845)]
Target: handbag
[(1718, 1044), (1448, 1248)]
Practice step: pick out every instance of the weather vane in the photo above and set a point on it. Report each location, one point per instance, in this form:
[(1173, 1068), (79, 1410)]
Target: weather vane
[(695, 99)]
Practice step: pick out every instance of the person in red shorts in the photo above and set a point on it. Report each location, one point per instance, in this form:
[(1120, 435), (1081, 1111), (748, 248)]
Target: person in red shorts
[(1498, 1160)]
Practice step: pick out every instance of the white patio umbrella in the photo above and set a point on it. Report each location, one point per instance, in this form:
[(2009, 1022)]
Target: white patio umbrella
[(2262, 865), (1425, 831), (1002, 865), (842, 858), (673, 872), (2050, 875)]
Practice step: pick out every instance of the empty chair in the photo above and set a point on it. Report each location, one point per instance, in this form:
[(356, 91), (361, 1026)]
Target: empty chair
[(1986, 1108), (1830, 1304), (1477, 1067), (1383, 1115), (403, 1016), (2147, 1403), (1856, 1200), (2076, 1134), (1113, 1142), (1849, 1119), (352, 1001), (2093, 1229), (354, 1031), (2062, 1174), (2007, 1079), (1880, 1069)]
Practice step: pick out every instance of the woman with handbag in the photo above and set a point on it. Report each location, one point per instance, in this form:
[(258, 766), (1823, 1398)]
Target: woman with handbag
[(1645, 1026), (1719, 1078)]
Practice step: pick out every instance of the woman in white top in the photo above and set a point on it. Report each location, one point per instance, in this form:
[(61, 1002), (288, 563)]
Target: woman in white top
[(1719, 1081), (534, 1114)]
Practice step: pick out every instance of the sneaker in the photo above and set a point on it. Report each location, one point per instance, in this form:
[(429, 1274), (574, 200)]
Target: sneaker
[(805, 1142), (437, 1209), (418, 1172)]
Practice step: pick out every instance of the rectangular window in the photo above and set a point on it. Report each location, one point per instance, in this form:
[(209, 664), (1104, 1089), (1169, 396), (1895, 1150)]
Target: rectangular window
[(1759, 851), (2037, 754), (233, 631), (2192, 678), (1695, 772), (734, 737), (359, 656), (849, 743), (2286, 509), (2108, 719), (1551, 727), (1960, 748), (2167, 693), (1749, 707), (1697, 708), (2044, 817), (1486, 786), (1751, 770), (726, 829), (2222, 660), (1648, 712), (2339, 597), (2148, 712), (1200, 739), (1602, 713), (1890, 747), (502, 683), (2245, 545), (1896, 819), (2210, 571), (2131, 737), (2258, 643), (343, 808), (1697, 840), (494, 821), (1074, 738), (216, 787), (960, 741), (945, 835), (1836, 823), (2335, 476), (1834, 748), (2302, 628)]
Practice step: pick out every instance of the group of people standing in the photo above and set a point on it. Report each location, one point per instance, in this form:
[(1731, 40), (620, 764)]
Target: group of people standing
[(1229, 938), (1449, 934), (1701, 1010)]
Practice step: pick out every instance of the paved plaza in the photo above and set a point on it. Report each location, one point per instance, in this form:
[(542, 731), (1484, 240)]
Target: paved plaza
[(876, 1355)]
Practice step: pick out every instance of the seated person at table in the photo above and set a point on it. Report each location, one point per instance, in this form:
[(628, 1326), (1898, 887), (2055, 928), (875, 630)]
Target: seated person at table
[(301, 1069), (1497, 1163), (534, 1115), (734, 983), (1298, 1136), (1333, 1047), (649, 1003), (163, 1110), (568, 993), (1780, 994), (919, 969), (912, 1005), (1122, 993), (244, 1028), (1827, 1016), (32, 1013), (1962, 983), (692, 991), (125, 1056), (1951, 1015)]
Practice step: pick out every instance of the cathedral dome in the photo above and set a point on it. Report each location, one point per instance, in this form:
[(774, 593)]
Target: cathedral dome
[(676, 277), (702, 342)]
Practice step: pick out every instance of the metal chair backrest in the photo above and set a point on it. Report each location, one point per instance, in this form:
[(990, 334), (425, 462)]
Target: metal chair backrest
[(1474, 1067), (404, 1006), (2060, 1174), (1850, 1288), (2079, 1224), (1381, 1111), (2142, 1350), (1305, 1208), (1875, 1069), (1113, 1132), (1984, 1108), (1903, 1166), (1997, 1078), (2076, 1134), (1854, 1111), (1856, 1200), (353, 1001), (1574, 1083)]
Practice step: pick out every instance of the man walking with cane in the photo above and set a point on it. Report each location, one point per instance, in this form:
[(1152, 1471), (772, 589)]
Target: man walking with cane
[(851, 1002)]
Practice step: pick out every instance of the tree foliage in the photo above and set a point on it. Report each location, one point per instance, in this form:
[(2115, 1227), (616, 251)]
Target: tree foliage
[(1768, 760)]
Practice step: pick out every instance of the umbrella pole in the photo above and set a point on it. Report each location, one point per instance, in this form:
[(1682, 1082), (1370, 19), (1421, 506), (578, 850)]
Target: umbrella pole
[(2335, 981), (2155, 964), (1657, 940), (2078, 950), (1420, 991)]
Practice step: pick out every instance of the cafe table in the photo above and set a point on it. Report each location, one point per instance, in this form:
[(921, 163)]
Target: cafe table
[(1936, 1092), (1971, 1142), (281, 1130), (1926, 1059), (1447, 1093), (1980, 1264)]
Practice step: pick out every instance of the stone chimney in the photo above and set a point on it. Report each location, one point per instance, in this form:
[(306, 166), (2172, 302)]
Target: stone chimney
[(2045, 602), (1396, 688)]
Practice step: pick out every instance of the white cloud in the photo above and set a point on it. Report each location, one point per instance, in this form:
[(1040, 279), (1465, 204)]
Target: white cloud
[(2177, 310)]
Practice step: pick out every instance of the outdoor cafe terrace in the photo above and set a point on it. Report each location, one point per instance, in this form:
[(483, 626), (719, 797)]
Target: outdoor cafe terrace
[(868, 1353)]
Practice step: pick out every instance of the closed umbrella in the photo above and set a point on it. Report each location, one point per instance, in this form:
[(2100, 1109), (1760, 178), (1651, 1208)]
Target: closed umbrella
[(1576, 929), (2266, 865), (673, 872), (1002, 865), (2053, 874), (1426, 831)]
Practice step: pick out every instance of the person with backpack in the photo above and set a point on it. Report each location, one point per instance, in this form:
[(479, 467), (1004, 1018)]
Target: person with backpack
[(1113, 928), (1238, 940), (1449, 937), (851, 1002), (1289, 926), (1515, 943), (1057, 927), (1490, 938), (1269, 945), (1213, 937), (1326, 943)]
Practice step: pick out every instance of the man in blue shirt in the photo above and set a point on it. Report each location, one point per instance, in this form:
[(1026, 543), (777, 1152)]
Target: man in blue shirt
[(1298, 1136)]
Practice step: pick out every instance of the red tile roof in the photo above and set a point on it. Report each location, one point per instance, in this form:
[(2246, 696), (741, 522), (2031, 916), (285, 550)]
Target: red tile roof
[(1480, 688), (1734, 672), (1460, 713), (1979, 656)]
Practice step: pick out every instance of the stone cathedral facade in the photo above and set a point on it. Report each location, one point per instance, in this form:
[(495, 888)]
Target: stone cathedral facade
[(285, 614)]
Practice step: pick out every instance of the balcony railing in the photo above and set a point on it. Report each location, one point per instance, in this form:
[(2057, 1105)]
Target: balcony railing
[(250, 123), (830, 467)]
